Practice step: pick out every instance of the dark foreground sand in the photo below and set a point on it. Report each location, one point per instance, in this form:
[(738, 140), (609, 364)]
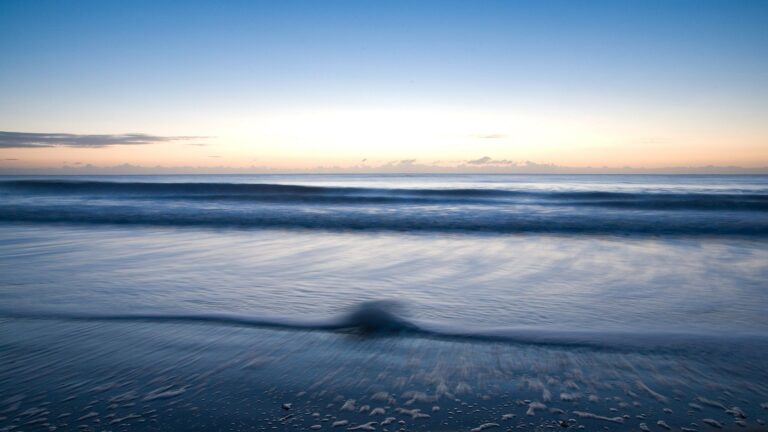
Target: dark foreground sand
[(148, 376)]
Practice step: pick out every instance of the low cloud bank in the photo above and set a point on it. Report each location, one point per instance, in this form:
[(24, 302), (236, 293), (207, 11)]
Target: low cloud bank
[(403, 166)]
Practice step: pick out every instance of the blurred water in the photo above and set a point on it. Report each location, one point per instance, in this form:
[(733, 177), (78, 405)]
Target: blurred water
[(702, 277), (551, 282), (168, 303), (590, 205)]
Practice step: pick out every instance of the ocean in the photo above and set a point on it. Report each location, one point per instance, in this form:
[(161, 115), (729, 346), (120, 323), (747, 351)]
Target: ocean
[(384, 302)]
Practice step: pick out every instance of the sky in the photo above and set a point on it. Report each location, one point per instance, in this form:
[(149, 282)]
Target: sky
[(390, 85)]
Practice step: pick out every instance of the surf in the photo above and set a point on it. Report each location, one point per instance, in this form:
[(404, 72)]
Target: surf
[(287, 193), (389, 318)]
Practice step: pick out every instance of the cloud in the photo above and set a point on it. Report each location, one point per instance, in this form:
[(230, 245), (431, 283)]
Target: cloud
[(486, 160), (542, 166), (482, 161), (404, 163), (394, 167), (45, 140)]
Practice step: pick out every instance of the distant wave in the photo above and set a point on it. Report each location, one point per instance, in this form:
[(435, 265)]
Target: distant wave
[(302, 194), (383, 318), (397, 209)]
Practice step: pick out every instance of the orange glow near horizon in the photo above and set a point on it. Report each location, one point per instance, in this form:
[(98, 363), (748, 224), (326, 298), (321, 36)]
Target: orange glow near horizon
[(306, 140)]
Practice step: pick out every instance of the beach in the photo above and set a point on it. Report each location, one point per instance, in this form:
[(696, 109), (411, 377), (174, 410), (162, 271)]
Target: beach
[(376, 302)]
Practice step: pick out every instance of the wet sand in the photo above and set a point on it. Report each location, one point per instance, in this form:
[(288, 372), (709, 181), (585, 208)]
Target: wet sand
[(144, 376)]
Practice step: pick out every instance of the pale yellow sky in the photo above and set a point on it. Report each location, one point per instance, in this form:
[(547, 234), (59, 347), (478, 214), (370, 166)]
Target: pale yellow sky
[(305, 139)]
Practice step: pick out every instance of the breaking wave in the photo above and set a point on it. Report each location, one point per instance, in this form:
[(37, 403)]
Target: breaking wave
[(281, 193), (236, 205)]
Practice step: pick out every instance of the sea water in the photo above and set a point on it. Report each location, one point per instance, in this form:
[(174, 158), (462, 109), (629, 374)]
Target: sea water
[(382, 302)]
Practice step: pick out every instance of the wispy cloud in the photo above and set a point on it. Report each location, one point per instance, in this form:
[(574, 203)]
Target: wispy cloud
[(486, 160), (44, 140), (404, 163)]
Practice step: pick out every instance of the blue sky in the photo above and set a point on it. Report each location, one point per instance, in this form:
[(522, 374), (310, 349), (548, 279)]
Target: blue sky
[(296, 84)]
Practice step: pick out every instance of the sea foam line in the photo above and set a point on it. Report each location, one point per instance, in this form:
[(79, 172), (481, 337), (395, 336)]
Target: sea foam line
[(379, 318)]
